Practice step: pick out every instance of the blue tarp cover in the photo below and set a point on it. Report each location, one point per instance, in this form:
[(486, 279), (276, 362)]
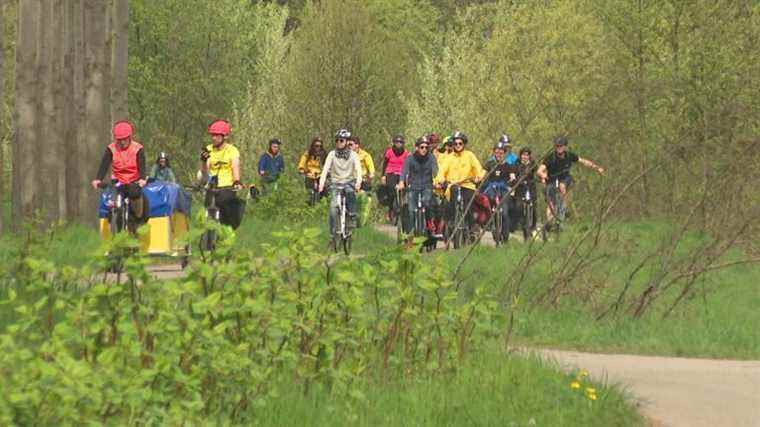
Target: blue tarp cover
[(164, 198)]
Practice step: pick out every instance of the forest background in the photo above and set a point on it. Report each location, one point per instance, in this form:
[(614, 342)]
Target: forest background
[(663, 93)]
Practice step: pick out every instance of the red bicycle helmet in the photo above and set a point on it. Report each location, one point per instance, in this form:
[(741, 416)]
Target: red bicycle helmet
[(220, 127), (122, 129)]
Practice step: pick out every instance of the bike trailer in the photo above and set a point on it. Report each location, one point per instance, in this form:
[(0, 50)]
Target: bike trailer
[(169, 218)]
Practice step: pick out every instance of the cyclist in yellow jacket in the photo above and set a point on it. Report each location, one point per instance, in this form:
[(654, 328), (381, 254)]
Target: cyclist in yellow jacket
[(310, 164), (461, 167), (368, 165)]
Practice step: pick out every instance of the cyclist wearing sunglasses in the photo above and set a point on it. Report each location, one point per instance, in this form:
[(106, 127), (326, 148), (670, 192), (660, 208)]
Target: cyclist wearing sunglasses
[(557, 165), (417, 174), (461, 167), (345, 170)]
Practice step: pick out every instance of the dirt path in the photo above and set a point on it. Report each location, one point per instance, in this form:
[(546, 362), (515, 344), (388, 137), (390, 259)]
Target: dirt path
[(487, 239), (673, 391)]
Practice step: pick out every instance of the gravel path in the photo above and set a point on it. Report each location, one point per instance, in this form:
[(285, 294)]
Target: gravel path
[(672, 391)]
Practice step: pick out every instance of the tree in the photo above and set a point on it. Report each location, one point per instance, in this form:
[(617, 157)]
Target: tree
[(97, 113), (119, 61), (2, 116), (24, 145)]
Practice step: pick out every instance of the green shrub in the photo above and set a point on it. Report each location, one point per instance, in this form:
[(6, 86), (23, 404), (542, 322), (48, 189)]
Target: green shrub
[(76, 348)]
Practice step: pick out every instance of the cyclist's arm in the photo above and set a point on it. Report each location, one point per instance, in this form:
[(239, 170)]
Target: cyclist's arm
[(405, 171), (477, 170), (302, 163), (385, 164), (236, 169), (153, 172), (589, 164), (172, 178), (542, 172), (105, 163), (325, 169), (370, 166), (435, 166), (357, 170), (263, 164), (141, 164)]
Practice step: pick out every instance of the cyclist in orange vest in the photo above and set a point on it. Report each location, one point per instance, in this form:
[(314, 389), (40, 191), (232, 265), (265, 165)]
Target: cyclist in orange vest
[(126, 158)]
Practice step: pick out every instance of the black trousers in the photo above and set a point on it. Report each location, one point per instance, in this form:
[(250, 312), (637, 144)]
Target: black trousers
[(231, 208)]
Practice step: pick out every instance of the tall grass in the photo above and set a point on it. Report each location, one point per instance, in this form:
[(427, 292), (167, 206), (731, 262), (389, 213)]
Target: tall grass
[(491, 389)]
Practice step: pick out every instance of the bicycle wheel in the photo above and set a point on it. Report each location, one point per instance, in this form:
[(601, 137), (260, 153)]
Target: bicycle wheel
[(528, 221), (399, 227), (347, 244), (419, 222), (497, 226)]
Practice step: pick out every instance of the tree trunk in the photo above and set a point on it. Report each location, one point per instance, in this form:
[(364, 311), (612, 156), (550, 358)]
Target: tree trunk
[(25, 197), (76, 177), (96, 126), (45, 145), (58, 136), (119, 60), (3, 192)]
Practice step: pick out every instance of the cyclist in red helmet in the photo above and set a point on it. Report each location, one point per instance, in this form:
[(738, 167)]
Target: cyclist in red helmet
[(126, 158), (221, 160)]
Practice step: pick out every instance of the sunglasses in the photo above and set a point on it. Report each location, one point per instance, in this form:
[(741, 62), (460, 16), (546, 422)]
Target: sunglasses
[(340, 140), (458, 143), (423, 147)]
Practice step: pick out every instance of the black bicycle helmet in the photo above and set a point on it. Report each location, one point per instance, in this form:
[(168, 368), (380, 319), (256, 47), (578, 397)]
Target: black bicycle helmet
[(505, 139), (460, 135), (500, 145), (162, 155), (561, 140), (343, 134), (399, 138), (274, 141), (421, 140)]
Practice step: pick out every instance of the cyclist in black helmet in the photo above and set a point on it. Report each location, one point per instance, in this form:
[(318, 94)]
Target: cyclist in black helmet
[(161, 171), (556, 167)]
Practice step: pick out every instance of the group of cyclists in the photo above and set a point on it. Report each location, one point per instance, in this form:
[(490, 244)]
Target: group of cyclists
[(423, 177)]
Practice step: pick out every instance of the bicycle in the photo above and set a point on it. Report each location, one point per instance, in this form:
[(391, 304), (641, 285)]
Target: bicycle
[(314, 195), (209, 238), (119, 217), (497, 225), (558, 209), (458, 234), (398, 214), (343, 228), (528, 211)]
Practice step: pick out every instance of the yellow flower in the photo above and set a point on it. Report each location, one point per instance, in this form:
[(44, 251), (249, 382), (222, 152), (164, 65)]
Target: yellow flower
[(575, 384), (592, 396), (590, 390), (583, 373)]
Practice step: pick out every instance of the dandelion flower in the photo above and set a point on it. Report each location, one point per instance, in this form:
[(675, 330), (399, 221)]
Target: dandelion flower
[(583, 373), (590, 390), (592, 396), (575, 384)]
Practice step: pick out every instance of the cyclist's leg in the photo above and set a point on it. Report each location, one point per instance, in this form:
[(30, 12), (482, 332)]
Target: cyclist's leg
[(411, 209), (565, 184), (229, 208), (332, 215), (467, 196), (351, 199), (391, 180), (506, 207), (549, 203)]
